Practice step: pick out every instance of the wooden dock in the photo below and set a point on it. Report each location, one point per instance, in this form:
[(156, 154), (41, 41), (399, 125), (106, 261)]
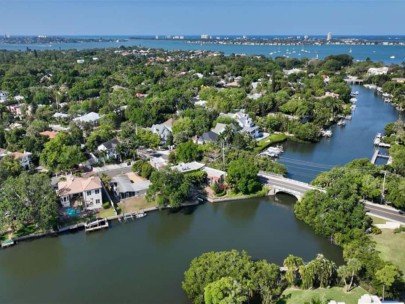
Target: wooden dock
[(376, 155), (7, 243), (96, 225)]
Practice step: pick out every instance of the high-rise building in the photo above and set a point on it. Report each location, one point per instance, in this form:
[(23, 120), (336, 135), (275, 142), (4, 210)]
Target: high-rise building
[(329, 36), (205, 36)]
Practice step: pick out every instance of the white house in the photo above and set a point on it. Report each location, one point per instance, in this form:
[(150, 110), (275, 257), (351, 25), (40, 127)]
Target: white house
[(164, 130), (81, 191), (3, 96), (377, 71), (245, 122), (109, 148), (91, 117)]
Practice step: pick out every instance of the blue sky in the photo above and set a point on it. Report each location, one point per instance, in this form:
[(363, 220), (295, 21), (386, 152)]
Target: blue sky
[(185, 17)]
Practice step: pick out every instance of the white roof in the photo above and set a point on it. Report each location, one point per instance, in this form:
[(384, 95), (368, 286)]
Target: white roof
[(211, 172), (188, 167), (58, 115), (89, 117)]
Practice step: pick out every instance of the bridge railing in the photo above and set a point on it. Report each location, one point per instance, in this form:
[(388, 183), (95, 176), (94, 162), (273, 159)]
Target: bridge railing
[(289, 180)]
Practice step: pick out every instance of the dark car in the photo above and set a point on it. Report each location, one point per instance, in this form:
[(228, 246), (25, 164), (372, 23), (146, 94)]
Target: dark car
[(401, 212)]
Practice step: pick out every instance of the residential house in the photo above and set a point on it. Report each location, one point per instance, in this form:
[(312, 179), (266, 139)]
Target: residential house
[(129, 185), (207, 137), (377, 71), (188, 167), (80, 191), (24, 158), (158, 162), (92, 118), (245, 122), (109, 149), (164, 130), (214, 175), (3, 96), (49, 134)]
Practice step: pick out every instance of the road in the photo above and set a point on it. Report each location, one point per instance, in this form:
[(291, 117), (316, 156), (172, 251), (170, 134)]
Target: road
[(386, 212)]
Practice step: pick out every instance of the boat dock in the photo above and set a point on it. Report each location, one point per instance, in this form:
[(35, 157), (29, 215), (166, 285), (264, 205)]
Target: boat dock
[(7, 243), (96, 225), (377, 155)]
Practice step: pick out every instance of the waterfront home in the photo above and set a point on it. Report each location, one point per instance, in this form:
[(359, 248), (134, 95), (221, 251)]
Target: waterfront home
[(377, 71), (80, 191), (164, 130), (109, 149), (371, 299), (92, 118), (214, 175), (245, 122), (129, 185)]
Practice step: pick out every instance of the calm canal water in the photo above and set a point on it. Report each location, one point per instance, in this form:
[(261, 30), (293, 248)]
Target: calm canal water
[(355, 140), (144, 261)]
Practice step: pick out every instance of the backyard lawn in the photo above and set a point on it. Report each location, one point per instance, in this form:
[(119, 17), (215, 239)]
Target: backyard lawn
[(134, 204), (294, 296), (392, 247)]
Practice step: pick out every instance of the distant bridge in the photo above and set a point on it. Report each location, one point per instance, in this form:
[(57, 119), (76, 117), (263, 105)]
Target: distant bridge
[(279, 183)]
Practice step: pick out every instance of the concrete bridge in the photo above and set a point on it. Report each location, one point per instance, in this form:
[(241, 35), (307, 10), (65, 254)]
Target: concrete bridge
[(278, 183)]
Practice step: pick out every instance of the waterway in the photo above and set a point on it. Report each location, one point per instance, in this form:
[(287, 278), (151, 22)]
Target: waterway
[(359, 52), (355, 140), (144, 261)]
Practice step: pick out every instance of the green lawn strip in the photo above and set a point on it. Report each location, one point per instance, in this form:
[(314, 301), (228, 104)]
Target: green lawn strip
[(294, 296), (272, 139), (377, 220), (392, 247)]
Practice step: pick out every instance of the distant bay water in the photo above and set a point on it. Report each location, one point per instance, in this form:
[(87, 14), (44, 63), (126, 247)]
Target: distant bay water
[(388, 54)]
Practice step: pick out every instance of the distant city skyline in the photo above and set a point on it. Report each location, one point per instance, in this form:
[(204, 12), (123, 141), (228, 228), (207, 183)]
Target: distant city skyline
[(194, 17)]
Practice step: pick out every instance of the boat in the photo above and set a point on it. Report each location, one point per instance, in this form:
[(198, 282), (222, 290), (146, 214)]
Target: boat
[(326, 133), (353, 99), (387, 100), (140, 215), (350, 50), (355, 93), (7, 243), (377, 139), (348, 117), (353, 107), (341, 123), (392, 57)]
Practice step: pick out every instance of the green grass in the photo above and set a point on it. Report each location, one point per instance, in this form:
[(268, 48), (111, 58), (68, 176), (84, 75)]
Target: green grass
[(272, 139), (295, 296), (392, 247), (105, 213), (26, 230), (377, 220)]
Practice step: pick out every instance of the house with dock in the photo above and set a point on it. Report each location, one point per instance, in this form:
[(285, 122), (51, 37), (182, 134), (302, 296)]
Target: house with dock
[(213, 175), (129, 185), (81, 191)]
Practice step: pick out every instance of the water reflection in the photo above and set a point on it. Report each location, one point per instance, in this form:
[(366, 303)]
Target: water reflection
[(171, 225), (31, 256)]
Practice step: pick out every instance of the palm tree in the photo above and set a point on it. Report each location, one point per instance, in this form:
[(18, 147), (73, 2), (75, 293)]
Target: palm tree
[(292, 263)]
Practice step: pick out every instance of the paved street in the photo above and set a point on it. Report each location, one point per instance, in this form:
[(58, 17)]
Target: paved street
[(389, 213)]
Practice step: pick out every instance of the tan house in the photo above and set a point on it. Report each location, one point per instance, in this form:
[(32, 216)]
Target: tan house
[(81, 191)]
